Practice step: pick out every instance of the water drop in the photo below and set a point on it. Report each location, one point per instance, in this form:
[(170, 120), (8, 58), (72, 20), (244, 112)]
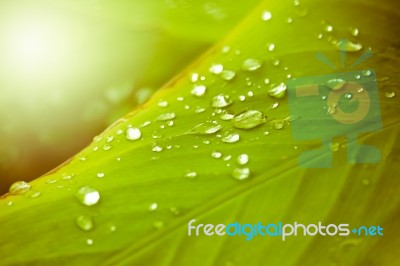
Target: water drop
[(277, 124), (35, 194), (274, 105), (113, 228), (194, 77), (216, 154), (278, 92), (97, 138), (226, 116), (216, 69), (220, 101), (230, 136), (266, 81), (100, 175), (170, 123), (50, 181), (199, 90), (191, 174), (331, 109), (162, 103), (228, 75), (205, 128), (156, 148), (153, 206), (110, 139), (248, 119), (354, 31), (266, 15), (166, 116), (241, 173), (348, 95), (390, 94), (289, 20), (199, 109), (335, 84), (271, 47), (133, 133), (250, 94), (242, 159), (366, 73), (107, 147), (242, 98), (251, 64), (85, 222), (348, 46), (328, 28), (19, 188), (89, 241), (175, 211), (87, 196), (226, 49)]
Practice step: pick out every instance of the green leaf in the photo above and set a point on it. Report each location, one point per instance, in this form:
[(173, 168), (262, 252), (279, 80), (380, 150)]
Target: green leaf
[(150, 188)]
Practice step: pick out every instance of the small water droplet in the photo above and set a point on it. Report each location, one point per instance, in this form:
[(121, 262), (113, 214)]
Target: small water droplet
[(110, 139), (162, 103), (50, 181), (194, 77), (274, 105), (354, 31), (251, 64), (242, 98), (348, 95), (209, 127), (89, 241), (166, 116), (278, 92), (248, 119), (266, 81), (216, 69), (226, 116), (226, 49), (220, 101), (289, 20), (277, 124), (113, 228), (227, 158), (241, 173), (35, 194), (328, 28), (10, 203), (271, 47), (366, 73), (87, 196), (180, 99), (228, 75), (97, 138), (331, 109), (153, 206), (390, 94), (348, 46), (191, 174), (250, 94), (335, 84), (266, 15), (85, 222), (156, 148), (19, 188), (107, 147), (83, 159), (230, 136), (199, 90), (100, 175), (242, 159), (133, 133), (216, 154)]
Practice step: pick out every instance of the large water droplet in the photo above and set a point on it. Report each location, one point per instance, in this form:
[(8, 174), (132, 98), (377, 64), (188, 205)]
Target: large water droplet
[(133, 133), (166, 116), (278, 92), (241, 173), (199, 90), (248, 119), (19, 188), (85, 223), (230, 136), (220, 101), (243, 159), (205, 128), (251, 64), (87, 196)]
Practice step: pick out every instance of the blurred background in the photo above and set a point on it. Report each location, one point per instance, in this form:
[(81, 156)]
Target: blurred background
[(70, 68)]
